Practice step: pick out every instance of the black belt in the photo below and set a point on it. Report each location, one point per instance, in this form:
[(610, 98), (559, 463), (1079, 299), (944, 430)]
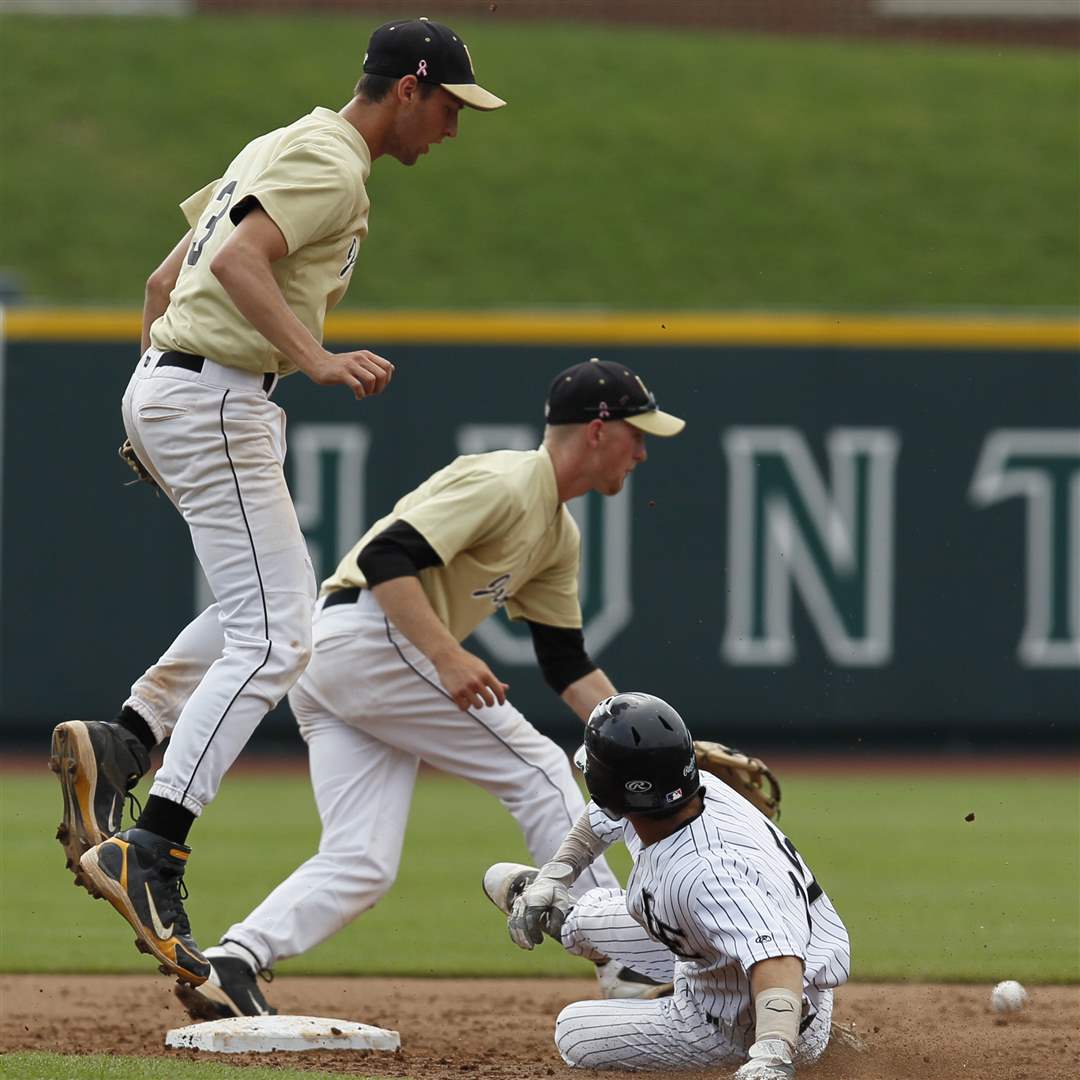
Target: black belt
[(349, 595), (195, 363)]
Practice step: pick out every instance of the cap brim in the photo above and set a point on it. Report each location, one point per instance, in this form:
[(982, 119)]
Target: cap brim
[(657, 423), (476, 97)]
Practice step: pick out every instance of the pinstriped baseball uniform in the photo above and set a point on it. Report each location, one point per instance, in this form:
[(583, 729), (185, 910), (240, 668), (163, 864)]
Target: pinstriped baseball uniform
[(702, 906), (371, 706)]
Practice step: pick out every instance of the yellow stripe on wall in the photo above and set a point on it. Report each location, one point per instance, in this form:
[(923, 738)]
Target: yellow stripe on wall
[(598, 329)]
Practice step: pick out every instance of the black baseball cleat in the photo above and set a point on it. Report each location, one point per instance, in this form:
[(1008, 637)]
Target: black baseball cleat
[(617, 981), (231, 990), (98, 764), (142, 875)]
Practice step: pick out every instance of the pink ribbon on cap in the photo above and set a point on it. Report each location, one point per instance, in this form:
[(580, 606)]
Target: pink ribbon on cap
[(422, 69)]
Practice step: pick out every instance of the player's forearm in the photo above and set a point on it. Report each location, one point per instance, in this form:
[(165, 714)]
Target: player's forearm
[(776, 987), (246, 275), (583, 695), (154, 305), (159, 287), (580, 848), (785, 971), (408, 608)]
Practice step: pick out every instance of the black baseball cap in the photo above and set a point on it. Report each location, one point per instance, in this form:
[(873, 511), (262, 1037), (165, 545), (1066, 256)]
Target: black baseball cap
[(600, 390), (433, 53)]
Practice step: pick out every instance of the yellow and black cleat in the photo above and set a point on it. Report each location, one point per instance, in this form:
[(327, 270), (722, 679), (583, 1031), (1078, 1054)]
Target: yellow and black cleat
[(141, 875), (97, 764)]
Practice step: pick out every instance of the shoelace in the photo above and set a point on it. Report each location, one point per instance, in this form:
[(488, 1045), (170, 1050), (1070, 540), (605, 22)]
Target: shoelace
[(134, 807), (170, 902), (263, 973)]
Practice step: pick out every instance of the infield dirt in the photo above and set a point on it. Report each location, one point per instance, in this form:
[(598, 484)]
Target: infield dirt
[(501, 1028)]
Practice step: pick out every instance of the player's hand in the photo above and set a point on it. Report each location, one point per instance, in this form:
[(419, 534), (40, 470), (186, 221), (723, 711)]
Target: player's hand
[(770, 1059), (543, 905), (469, 681), (363, 372)]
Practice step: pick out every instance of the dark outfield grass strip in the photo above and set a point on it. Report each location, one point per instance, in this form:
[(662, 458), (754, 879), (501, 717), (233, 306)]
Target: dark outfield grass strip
[(645, 169)]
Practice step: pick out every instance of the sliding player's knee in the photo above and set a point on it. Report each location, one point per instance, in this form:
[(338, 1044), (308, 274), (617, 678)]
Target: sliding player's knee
[(574, 1032)]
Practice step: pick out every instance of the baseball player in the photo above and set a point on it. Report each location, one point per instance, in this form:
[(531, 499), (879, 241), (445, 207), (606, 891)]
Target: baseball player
[(238, 303), (390, 685), (718, 901)]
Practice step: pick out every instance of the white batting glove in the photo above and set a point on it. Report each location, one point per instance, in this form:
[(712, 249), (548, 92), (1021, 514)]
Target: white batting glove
[(770, 1059), (543, 905)]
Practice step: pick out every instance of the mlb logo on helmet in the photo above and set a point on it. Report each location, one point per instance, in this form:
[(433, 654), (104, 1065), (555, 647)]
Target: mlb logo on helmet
[(672, 796)]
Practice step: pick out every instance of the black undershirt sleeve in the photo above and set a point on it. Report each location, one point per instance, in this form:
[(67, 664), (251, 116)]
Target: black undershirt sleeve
[(560, 652), (398, 551), (240, 210)]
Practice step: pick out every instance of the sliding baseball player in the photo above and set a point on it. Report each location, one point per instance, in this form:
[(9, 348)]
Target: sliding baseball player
[(719, 901)]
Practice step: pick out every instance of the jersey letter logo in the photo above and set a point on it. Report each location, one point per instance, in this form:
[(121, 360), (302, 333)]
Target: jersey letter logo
[(350, 258), (495, 589), (669, 936)]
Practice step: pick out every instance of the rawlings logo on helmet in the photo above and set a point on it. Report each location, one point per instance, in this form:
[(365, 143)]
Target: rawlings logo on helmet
[(638, 785)]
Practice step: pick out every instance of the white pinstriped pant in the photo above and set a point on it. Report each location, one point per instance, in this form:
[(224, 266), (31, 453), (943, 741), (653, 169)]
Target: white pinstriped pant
[(670, 1033)]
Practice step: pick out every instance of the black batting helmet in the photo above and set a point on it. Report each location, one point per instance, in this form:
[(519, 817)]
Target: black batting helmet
[(638, 757)]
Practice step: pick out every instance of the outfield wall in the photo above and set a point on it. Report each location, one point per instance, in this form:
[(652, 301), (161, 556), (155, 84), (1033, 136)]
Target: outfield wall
[(869, 526), (1007, 22)]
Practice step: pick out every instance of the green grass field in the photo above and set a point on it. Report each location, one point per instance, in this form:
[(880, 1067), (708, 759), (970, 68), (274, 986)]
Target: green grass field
[(35, 1066), (925, 895), (642, 168)]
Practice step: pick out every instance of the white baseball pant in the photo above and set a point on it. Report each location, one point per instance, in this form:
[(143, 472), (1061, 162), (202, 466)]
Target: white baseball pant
[(215, 443), (371, 707), (670, 1033)]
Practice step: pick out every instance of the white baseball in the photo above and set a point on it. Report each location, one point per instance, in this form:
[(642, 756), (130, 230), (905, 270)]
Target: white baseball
[(1008, 996)]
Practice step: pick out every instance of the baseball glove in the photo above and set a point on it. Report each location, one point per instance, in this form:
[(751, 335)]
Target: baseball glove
[(131, 459), (749, 776)]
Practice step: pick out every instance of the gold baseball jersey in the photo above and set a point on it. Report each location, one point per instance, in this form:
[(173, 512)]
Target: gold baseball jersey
[(309, 177), (504, 538)]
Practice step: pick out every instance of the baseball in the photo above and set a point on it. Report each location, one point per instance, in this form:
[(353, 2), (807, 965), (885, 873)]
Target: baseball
[(1008, 996)]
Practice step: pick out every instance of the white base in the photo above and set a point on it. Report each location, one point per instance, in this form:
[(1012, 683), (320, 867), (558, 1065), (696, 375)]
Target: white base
[(263, 1034)]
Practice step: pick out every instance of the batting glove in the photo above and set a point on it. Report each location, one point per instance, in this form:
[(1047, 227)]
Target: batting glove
[(770, 1059), (543, 906)]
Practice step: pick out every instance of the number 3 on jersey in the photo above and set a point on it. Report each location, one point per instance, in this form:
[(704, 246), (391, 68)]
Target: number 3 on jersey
[(224, 196)]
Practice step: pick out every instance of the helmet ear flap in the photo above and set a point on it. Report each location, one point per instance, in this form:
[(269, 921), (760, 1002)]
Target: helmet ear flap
[(604, 784)]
